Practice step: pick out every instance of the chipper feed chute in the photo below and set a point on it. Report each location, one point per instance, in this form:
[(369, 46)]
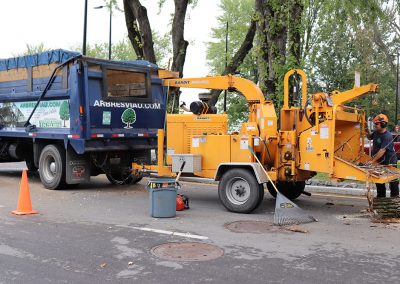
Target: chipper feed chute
[(335, 142)]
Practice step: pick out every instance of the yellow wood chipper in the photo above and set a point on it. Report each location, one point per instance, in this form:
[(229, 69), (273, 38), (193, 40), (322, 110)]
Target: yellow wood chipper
[(317, 133)]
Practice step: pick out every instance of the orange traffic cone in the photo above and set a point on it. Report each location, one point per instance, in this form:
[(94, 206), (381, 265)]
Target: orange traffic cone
[(24, 199)]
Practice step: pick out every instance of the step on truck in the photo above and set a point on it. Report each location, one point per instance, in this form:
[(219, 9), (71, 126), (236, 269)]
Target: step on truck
[(72, 117)]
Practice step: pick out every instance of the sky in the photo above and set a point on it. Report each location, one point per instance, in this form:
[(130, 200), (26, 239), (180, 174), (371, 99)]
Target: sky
[(59, 24)]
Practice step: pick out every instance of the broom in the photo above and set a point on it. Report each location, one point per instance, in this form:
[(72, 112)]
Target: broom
[(286, 212)]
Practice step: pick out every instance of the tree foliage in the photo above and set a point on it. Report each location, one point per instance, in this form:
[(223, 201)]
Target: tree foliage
[(239, 16), (330, 39), (123, 50), (350, 36), (33, 49)]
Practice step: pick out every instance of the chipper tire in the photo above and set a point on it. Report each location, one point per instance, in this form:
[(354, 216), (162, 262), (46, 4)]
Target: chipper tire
[(52, 167), (291, 190), (239, 191)]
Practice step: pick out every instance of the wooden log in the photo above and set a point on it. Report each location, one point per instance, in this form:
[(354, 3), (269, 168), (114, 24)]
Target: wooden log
[(387, 207)]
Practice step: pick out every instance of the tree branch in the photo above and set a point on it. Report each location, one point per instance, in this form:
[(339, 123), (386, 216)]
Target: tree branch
[(179, 44), (295, 10), (379, 42), (133, 30), (140, 26)]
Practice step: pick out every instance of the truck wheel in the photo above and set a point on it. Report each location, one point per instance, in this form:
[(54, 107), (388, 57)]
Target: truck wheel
[(120, 179), (291, 190), (52, 167), (239, 191)]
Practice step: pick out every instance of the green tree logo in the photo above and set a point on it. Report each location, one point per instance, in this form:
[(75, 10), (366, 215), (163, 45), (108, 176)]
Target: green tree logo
[(64, 111), (128, 117)]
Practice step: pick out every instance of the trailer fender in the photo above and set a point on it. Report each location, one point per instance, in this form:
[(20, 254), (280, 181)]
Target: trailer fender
[(253, 167)]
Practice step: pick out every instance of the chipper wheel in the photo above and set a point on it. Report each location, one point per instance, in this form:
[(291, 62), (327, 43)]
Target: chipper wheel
[(52, 167), (239, 191), (291, 190)]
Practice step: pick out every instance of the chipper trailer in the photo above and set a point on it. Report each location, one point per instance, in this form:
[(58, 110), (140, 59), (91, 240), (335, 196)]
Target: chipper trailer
[(73, 117), (317, 133)]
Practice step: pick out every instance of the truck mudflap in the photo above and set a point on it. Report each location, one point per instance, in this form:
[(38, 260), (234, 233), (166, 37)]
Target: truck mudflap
[(77, 167)]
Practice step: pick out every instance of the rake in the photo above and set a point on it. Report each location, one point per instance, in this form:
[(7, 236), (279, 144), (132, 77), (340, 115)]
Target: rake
[(286, 212)]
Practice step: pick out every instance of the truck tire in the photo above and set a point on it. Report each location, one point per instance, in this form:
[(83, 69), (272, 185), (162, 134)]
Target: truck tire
[(291, 190), (119, 179), (52, 167), (239, 191)]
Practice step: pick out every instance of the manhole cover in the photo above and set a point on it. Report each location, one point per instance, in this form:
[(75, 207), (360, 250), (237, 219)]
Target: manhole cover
[(187, 251)]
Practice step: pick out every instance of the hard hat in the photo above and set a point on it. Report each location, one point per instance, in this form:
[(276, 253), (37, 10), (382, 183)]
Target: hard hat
[(381, 118)]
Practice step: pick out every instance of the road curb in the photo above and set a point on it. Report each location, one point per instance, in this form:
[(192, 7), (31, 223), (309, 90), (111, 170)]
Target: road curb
[(309, 188)]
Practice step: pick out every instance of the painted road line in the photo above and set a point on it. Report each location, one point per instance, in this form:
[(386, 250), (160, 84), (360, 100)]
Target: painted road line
[(164, 232)]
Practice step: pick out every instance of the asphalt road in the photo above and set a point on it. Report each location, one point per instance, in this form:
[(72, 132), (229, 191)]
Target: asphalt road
[(96, 233)]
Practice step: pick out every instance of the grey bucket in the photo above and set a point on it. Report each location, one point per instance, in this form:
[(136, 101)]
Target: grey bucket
[(162, 193)]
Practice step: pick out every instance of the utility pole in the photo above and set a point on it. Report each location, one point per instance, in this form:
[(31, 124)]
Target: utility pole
[(109, 37), (226, 59), (84, 28), (397, 91), (109, 34)]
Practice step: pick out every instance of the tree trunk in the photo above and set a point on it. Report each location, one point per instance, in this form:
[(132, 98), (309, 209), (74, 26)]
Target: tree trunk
[(237, 59), (262, 44), (139, 30), (179, 44), (133, 30), (295, 11), (272, 36)]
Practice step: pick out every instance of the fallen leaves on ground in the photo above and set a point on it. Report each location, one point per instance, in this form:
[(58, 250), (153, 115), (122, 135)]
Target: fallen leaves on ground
[(386, 220), (296, 229)]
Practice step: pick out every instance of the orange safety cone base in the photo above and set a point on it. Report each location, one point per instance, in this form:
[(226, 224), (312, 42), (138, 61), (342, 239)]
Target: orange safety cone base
[(24, 199), (16, 212)]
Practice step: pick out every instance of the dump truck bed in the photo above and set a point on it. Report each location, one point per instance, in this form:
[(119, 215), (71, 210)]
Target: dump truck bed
[(90, 103)]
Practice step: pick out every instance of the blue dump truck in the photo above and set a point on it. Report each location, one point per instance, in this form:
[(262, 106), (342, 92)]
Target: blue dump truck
[(72, 117)]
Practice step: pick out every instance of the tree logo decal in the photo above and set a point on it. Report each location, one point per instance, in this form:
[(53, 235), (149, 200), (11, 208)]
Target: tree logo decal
[(128, 117), (64, 111)]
